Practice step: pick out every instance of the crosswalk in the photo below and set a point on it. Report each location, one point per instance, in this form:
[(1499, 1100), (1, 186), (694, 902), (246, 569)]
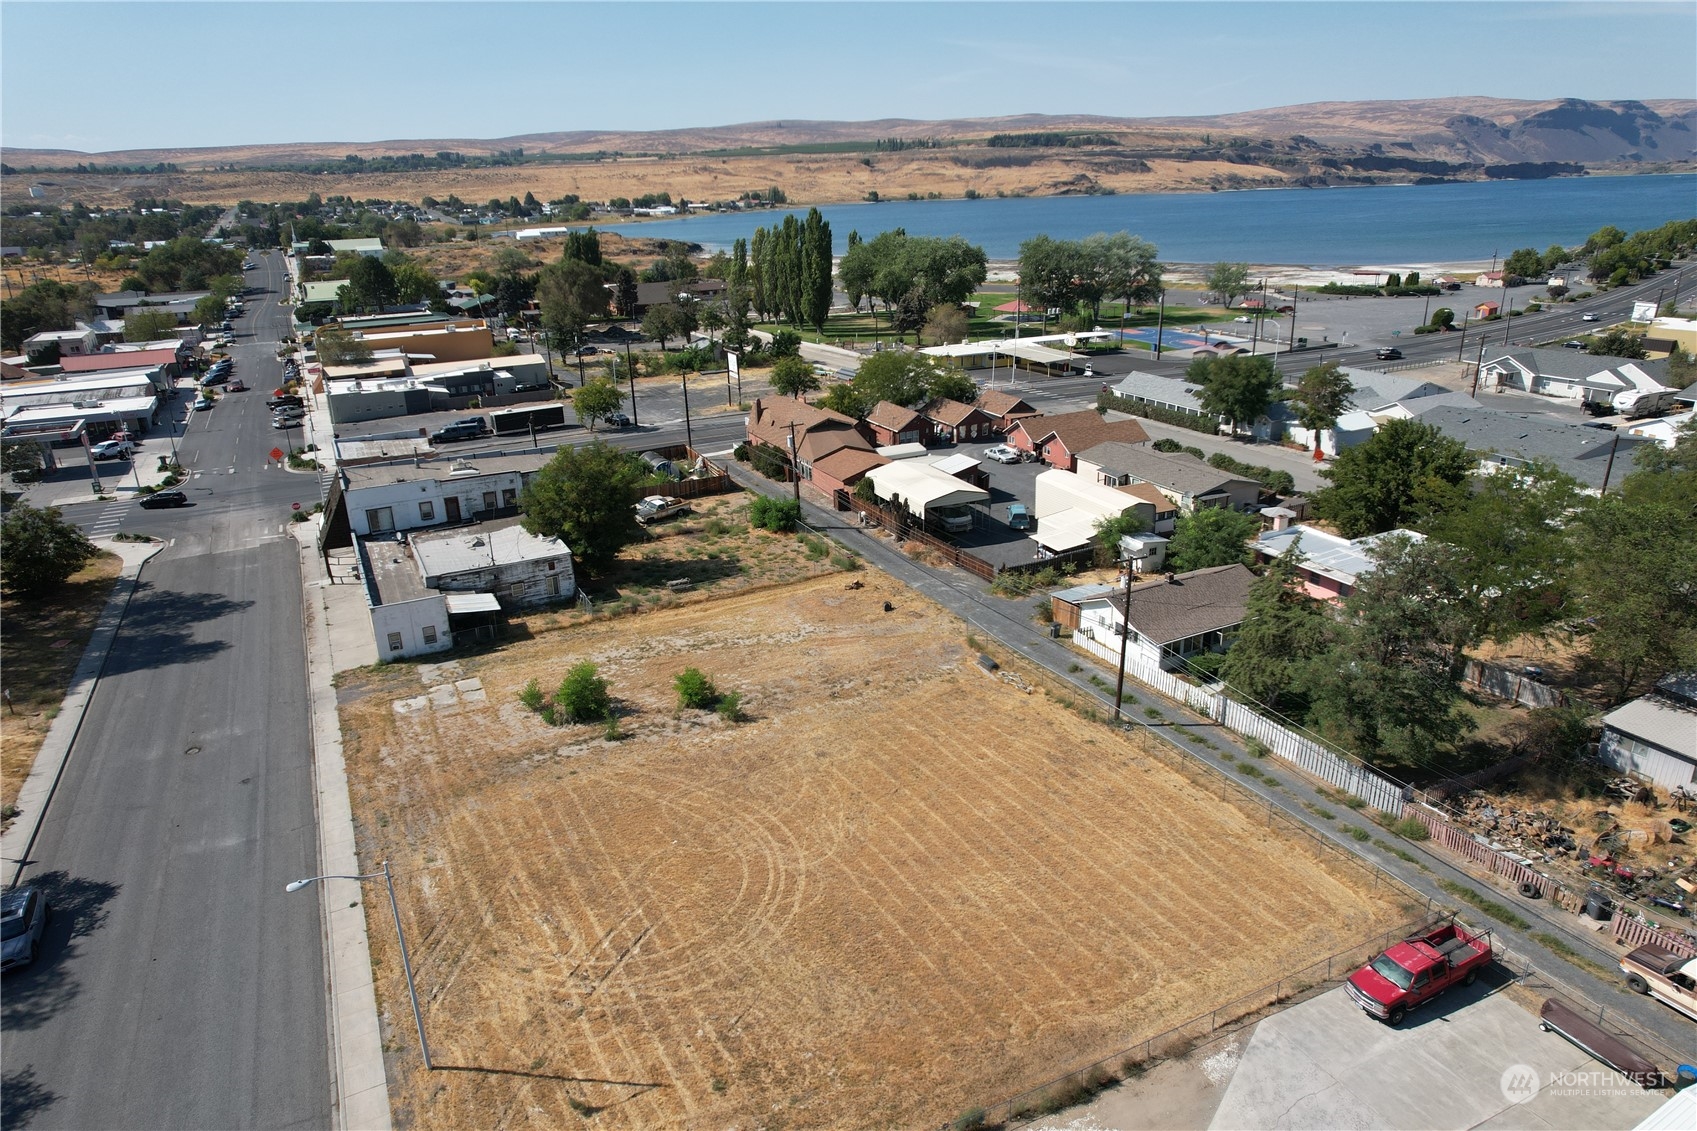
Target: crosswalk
[(110, 518)]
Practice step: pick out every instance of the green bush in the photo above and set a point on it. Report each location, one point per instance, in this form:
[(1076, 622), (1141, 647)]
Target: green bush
[(582, 696), (770, 462), (695, 691), (740, 452), (1207, 425), (785, 343), (532, 696), (730, 706), (1360, 834), (777, 515), (1410, 828)]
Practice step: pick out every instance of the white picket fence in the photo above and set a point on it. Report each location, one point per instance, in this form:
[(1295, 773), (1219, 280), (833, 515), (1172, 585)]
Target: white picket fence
[(1300, 751)]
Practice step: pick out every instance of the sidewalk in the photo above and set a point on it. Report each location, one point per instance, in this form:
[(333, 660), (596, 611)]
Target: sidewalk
[(338, 636)]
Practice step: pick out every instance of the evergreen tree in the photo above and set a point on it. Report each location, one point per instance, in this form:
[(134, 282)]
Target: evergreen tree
[(1283, 629)]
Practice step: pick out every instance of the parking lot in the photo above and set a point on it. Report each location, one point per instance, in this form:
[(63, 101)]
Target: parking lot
[(1324, 1063)]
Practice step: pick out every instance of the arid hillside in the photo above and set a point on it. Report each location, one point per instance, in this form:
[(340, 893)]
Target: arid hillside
[(826, 162)]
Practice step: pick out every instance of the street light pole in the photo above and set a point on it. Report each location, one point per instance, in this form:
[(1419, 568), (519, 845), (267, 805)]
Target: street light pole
[(406, 961)]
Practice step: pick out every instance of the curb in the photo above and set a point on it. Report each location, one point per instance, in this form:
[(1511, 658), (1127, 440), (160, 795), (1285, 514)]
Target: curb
[(357, 1066), (49, 765)]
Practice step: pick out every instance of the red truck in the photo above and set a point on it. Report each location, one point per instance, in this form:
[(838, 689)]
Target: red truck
[(1418, 969)]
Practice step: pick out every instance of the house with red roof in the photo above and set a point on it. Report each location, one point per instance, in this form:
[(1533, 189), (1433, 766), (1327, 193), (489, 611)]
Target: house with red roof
[(1058, 440)]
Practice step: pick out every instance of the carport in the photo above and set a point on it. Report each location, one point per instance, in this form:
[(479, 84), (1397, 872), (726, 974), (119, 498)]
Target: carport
[(922, 488)]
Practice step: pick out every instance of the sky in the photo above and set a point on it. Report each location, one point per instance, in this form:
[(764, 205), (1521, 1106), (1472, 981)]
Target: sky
[(99, 77)]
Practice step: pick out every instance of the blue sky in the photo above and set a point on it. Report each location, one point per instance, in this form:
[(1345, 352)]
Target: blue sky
[(98, 77)]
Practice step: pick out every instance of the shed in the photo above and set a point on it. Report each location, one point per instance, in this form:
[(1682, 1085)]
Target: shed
[(922, 488), (1064, 603), (1656, 736)]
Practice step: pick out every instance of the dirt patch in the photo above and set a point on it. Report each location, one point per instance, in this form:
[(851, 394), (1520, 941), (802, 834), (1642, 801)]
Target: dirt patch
[(42, 644), (904, 887)]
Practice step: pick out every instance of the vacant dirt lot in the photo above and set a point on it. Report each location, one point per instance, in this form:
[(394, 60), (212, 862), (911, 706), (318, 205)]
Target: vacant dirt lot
[(900, 888)]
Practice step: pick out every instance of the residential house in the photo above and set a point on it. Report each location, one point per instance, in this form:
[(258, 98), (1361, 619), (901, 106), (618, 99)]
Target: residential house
[(1664, 431), (1668, 334), (120, 303), (167, 361), (1488, 279), (891, 423), (1057, 440), (371, 247), (1570, 374), (502, 558), (1485, 310), (1656, 736), (658, 294), (779, 422), (844, 468), (1377, 397), (1172, 619), (1182, 478), (952, 422), (1331, 566), (1005, 409), (1504, 440)]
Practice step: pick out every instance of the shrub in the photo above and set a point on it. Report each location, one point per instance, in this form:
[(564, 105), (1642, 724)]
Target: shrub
[(730, 706), (582, 696), (785, 343), (695, 691), (770, 462), (777, 515), (1410, 828), (973, 1117), (532, 696), (1360, 834), (740, 452)]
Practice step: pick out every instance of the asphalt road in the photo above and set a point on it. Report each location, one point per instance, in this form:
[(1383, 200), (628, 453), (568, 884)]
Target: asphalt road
[(178, 987)]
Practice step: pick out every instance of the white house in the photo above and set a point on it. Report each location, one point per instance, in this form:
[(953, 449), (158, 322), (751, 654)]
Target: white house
[(1656, 736), (71, 343), (390, 497), (502, 558), (1193, 612), (1069, 506)]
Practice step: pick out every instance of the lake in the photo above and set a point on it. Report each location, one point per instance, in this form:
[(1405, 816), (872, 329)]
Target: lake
[(1331, 227)]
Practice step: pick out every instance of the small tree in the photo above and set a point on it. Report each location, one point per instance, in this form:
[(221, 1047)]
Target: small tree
[(793, 376), (1229, 280), (583, 497), (146, 325), (1442, 318), (1212, 536), (338, 347), (777, 515), (785, 343), (695, 691), (951, 384), (21, 458), (944, 323), (39, 551), (1109, 531), (663, 322), (595, 400)]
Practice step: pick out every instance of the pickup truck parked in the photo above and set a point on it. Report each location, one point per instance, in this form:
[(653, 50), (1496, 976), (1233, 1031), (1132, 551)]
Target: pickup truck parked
[(1668, 977), (1418, 969), (657, 507)]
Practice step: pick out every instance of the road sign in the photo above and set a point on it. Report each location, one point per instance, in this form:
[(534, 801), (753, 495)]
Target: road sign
[(294, 506), (276, 453)]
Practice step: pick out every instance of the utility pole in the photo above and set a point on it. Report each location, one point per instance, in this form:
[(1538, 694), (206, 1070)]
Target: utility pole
[(1255, 328), (1461, 350), (1160, 323), (1295, 297), (1610, 466), (795, 466), (630, 375), (1125, 636), (689, 438), (1478, 365)]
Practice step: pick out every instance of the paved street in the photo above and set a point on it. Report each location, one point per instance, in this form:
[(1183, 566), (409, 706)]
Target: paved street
[(178, 987)]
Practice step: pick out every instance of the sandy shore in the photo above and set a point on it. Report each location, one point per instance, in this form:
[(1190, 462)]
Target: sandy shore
[(1286, 274)]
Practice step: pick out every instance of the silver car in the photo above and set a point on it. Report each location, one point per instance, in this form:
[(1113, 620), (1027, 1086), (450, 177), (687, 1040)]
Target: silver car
[(23, 920)]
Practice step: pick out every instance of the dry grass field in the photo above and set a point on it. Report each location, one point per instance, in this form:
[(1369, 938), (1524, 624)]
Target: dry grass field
[(40, 648), (899, 888)]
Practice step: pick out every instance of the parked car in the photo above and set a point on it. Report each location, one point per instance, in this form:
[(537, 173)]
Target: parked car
[(1388, 353), (1019, 516), (1418, 969), (23, 920), (472, 429), (112, 449), (280, 400), (1574, 345), (282, 423), (617, 420), (216, 377), (657, 507), (202, 403), (1588, 317), (1003, 453), (1664, 975), (159, 500)]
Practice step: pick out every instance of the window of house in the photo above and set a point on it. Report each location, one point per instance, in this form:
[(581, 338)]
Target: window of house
[(509, 498), (488, 500), (430, 634), (379, 519), (427, 512), (552, 566), (395, 642)]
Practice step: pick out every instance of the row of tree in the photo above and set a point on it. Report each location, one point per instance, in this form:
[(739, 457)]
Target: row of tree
[(1503, 555), (910, 276), (1078, 275), (790, 271)]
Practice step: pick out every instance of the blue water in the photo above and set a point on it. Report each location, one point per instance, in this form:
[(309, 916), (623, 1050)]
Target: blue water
[(1310, 227)]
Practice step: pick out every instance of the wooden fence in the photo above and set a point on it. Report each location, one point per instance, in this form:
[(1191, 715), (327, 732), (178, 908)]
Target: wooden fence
[(1631, 932), (910, 531), (1506, 683)]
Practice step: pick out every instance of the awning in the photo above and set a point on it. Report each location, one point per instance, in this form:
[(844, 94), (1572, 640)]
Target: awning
[(1013, 308), (472, 603), (1070, 529)]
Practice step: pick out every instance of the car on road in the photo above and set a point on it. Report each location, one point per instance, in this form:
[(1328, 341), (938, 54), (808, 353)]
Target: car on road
[(617, 420), (1574, 345), (202, 403), (474, 429), (1388, 353), (1003, 453), (112, 449), (587, 351), (23, 920), (159, 500), (235, 386), (1588, 317)]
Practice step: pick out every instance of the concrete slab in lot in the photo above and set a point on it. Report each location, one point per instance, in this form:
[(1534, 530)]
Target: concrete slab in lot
[(1324, 1063)]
